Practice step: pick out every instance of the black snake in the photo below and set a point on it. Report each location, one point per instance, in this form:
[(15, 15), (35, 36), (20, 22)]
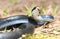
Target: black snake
[(13, 20), (26, 21)]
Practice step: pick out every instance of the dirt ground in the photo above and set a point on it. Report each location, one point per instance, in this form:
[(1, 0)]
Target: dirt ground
[(17, 7)]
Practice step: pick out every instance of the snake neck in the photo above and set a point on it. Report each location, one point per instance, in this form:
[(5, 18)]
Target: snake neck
[(35, 12)]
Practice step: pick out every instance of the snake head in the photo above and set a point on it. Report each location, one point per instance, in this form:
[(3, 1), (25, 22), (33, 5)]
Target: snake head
[(38, 16), (35, 11), (35, 8)]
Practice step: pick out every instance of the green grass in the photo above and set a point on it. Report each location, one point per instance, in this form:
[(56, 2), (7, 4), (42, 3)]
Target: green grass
[(28, 11), (13, 1), (4, 10), (4, 31), (43, 9), (56, 10), (41, 36)]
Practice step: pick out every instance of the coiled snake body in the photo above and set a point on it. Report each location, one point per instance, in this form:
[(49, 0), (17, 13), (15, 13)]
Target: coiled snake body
[(28, 22), (6, 22), (13, 20)]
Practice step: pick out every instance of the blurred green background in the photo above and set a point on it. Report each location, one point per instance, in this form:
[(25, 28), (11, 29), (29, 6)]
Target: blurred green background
[(15, 7)]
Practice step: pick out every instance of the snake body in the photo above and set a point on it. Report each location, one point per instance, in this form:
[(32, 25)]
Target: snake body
[(28, 22), (13, 20), (18, 33)]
